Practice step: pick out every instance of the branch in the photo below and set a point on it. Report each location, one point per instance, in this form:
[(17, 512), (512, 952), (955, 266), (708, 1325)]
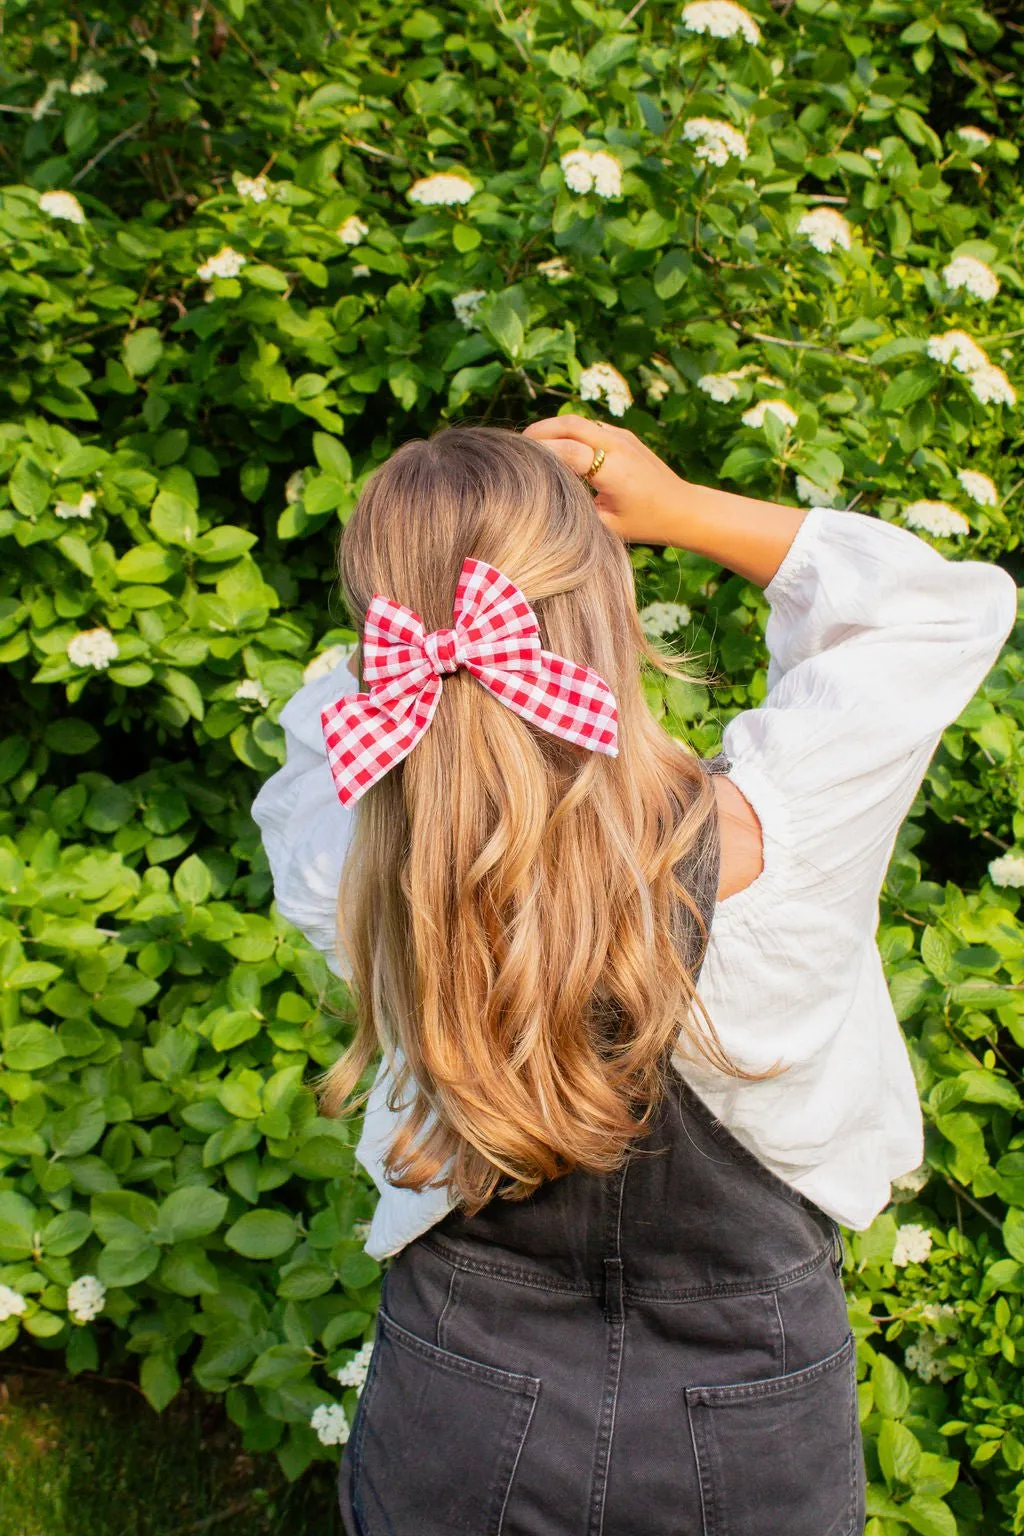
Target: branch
[(804, 346), (126, 133)]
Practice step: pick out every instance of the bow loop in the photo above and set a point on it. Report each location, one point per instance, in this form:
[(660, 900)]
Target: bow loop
[(495, 635)]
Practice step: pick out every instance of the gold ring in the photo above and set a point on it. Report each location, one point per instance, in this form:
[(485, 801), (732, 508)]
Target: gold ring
[(599, 458)]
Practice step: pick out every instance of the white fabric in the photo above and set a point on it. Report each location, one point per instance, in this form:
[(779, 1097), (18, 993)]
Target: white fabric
[(876, 644)]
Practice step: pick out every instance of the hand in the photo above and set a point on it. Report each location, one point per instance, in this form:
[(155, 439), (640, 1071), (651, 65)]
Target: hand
[(638, 496)]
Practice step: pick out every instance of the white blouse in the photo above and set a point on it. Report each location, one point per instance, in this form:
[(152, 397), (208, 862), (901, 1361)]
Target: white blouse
[(876, 644)]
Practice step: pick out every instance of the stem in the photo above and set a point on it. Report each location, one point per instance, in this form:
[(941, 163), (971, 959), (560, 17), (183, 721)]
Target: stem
[(962, 1194), (126, 133), (804, 346)]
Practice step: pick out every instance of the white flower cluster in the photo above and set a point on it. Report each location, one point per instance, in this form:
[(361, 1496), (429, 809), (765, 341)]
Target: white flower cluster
[(974, 276), (979, 487), (86, 1298), (722, 387), (603, 382), (825, 229), (62, 205), (912, 1246), (721, 18), (93, 648), (87, 83), (466, 305), (936, 517), (778, 408), (226, 263), (1008, 869), (255, 189), (976, 137), (442, 190), (660, 619), (47, 99), (324, 664), (354, 1373), (943, 1315), (873, 153), (989, 384), (329, 1424), (249, 691), (922, 1358), (82, 508), (352, 231), (816, 495), (959, 349), (294, 486), (556, 269), (715, 140), (12, 1303), (910, 1184), (597, 172)]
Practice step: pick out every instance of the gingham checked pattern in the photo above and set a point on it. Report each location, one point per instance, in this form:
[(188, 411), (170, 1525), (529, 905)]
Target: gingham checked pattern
[(495, 636)]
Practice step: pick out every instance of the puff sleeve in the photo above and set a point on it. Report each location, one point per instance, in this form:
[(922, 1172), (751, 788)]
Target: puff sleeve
[(305, 828)]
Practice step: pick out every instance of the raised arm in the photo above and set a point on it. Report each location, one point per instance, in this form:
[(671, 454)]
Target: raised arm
[(645, 502)]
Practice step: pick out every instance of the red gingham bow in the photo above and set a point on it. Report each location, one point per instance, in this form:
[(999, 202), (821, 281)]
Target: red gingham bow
[(495, 636)]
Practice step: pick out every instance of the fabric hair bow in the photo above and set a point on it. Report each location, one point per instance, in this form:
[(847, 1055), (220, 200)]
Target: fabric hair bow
[(496, 637)]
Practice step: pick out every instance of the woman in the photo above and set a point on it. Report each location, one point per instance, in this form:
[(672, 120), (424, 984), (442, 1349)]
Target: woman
[(614, 1305)]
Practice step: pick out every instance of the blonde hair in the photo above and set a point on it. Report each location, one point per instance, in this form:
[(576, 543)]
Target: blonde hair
[(510, 903)]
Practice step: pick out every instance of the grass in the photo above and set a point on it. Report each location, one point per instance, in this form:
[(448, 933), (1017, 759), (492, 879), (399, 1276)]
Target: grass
[(88, 1457)]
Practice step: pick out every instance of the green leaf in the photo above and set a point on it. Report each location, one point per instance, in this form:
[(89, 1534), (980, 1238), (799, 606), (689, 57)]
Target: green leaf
[(504, 324), (142, 351), (194, 1211), (892, 1394), (928, 1516), (18, 1225), (159, 1379), (899, 1453), (148, 563), (192, 883), (262, 1234), (1013, 1233), (71, 737), (66, 1232), (332, 456)]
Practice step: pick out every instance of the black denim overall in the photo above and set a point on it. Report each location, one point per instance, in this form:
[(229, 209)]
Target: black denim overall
[(660, 1352)]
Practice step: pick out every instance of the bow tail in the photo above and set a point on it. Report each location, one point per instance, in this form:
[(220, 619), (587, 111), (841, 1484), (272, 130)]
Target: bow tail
[(560, 697), (365, 738)]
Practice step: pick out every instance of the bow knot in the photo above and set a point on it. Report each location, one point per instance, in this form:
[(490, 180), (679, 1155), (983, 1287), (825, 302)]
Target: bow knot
[(495, 635), (442, 651)]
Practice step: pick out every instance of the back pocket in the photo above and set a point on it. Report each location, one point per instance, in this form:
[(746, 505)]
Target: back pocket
[(436, 1440), (783, 1454)]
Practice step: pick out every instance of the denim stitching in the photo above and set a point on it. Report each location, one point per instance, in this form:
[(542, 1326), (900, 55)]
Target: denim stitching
[(782, 1328), (613, 1373), (532, 1280), (512, 1474), (447, 1303), (460, 1365), (772, 1386)]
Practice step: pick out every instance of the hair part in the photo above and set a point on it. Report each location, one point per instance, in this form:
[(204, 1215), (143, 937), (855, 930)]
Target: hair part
[(510, 904)]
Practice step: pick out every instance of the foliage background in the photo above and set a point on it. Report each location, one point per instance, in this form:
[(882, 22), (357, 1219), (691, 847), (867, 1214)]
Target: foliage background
[(159, 1020)]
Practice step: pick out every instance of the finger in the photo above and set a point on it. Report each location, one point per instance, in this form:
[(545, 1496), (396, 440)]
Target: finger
[(581, 428), (574, 455)]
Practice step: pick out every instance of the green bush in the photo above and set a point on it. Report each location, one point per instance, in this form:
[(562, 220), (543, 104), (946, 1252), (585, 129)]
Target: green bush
[(224, 301)]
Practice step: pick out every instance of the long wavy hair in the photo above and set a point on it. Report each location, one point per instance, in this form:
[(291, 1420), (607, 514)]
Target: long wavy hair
[(511, 906)]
